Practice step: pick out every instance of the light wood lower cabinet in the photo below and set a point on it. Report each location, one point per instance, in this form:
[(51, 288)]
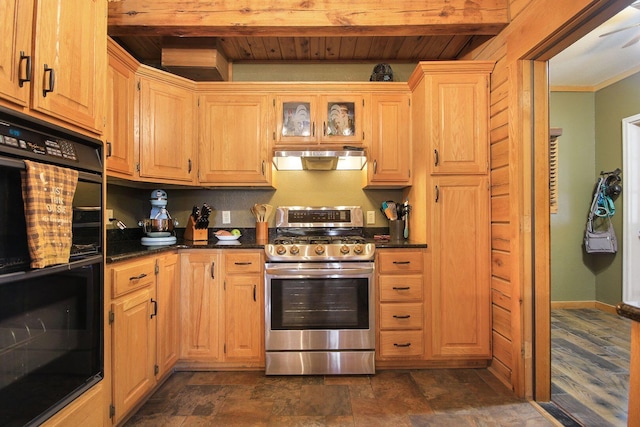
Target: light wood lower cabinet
[(86, 411), (401, 304), (144, 327), (222, 309), (460, 299)]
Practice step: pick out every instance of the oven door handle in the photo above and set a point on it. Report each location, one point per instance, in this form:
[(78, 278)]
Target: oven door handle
[(310, 271)]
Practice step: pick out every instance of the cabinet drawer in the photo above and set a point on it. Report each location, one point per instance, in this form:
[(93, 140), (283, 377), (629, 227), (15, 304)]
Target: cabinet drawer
[(131, 276), (401, 316), (243, 263), (400, 288), (400, 262), (401, 343)]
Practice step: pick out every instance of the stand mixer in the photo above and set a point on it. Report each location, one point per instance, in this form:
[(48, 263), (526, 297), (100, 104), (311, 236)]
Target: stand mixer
[(159, 226)]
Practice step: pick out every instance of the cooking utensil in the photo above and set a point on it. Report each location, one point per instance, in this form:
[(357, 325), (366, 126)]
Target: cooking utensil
[(262, 211), (405, 214), (268, 213)]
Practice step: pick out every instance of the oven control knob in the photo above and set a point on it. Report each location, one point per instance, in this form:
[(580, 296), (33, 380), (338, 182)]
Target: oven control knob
[(357, 249), (294, 250), (344, 249), (281, 250), (319, 250)]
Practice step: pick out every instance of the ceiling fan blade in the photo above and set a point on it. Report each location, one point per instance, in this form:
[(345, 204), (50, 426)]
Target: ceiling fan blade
[(619, 29), (633, 41)]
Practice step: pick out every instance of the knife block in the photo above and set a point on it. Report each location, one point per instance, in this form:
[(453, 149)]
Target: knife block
[(193, 233)]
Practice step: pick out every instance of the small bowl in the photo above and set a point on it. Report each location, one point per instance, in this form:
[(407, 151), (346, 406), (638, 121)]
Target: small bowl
[(227, 237)]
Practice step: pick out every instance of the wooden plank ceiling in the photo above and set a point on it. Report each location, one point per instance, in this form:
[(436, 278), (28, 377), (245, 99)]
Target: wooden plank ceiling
[(307, 30)]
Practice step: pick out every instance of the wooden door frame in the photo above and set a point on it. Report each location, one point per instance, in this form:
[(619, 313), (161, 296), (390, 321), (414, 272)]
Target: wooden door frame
[(533, 72)]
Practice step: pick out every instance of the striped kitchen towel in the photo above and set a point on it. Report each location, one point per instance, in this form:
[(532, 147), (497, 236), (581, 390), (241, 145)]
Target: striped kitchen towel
[(47, 192)]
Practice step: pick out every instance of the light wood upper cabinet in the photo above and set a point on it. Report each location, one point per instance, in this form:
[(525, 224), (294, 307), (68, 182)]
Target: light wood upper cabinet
[(390, 149), (452, 115), (167, 129), (460, 272), (121, 106), (459, 123), (68, 61), (331, 118), (16, 31), (233, 139)]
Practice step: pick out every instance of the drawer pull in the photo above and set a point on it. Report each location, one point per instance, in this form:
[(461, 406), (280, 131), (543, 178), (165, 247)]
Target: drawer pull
[(408, 344), (402, 262), (138, 277), (243, 263), (155, 308), (401, 288), (401, 316)]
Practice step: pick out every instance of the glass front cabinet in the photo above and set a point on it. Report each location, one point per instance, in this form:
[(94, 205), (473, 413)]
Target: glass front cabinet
[(303, 119)]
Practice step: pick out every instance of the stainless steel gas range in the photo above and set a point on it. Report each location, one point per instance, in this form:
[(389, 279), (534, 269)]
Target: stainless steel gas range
[(319, 293)]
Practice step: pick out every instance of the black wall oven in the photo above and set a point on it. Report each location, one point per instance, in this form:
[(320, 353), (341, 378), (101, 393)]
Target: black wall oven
[(51, 318)]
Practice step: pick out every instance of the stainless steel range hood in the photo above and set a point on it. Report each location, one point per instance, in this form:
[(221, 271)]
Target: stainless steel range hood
[(319, 159)]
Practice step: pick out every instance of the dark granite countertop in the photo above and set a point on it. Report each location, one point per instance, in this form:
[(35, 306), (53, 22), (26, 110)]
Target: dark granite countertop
[(124, 246), (629, 310)]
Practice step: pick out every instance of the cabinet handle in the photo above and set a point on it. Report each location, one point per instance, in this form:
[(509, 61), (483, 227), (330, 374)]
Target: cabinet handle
[(436, 157), (108, 149), (254, 292), (138, 277), (27, 70), (313, 132), (408, 344), (155, 308), (437, 194), (213, 267), (402, 262), (243, 263), (189, 166), (324, 128), (52, 80), (401, 288), (375, 167), (263, 168), (403, 316)]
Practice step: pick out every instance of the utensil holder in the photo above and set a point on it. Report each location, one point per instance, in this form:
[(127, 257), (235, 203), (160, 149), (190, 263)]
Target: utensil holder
[(193, 233), (396, 229), (262, 233)]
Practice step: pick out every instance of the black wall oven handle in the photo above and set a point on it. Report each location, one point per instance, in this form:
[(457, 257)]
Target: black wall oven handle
[(8, 162)]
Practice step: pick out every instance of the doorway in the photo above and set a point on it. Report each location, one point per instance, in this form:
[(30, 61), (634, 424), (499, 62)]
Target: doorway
[(631, 210)]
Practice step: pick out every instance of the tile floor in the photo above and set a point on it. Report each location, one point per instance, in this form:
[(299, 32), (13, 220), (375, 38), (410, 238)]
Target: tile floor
[(432, 397)]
